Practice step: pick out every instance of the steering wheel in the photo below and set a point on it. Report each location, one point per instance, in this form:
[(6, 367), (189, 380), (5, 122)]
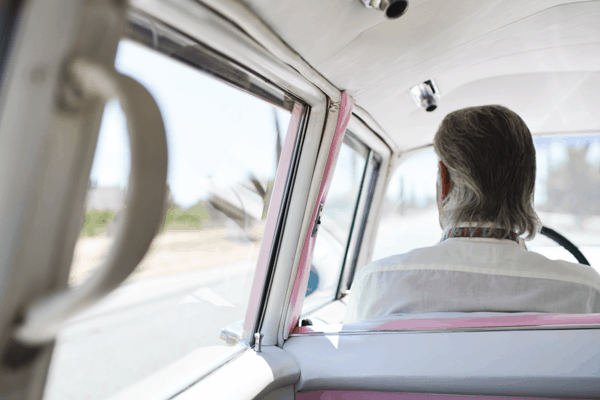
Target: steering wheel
[(566, 243)]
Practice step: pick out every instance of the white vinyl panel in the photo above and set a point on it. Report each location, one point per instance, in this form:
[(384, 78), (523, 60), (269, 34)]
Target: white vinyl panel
[(550, 363)]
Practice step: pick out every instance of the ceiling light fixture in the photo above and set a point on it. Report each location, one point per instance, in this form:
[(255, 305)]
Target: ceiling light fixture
[(426, 95), (392, 8)]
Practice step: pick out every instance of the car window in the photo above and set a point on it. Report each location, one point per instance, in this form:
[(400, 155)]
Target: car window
[(190, 292), (337, 221), (410, 214), (567, 183)]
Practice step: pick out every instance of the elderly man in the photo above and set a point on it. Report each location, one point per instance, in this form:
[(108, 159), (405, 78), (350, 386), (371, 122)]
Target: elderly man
[(485, 200)]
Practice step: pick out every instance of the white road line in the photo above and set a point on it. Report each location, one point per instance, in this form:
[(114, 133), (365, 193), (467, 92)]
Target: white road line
[(207, 294)]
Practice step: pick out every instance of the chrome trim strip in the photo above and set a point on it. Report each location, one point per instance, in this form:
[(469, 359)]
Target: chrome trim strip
[(178, 46)]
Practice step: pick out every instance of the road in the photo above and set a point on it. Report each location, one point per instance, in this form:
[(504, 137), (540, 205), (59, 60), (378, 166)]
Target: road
[(155, 319)]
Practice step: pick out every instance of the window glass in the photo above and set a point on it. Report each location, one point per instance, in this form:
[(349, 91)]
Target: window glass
[(410, 214), (336, 225), (224, 146)]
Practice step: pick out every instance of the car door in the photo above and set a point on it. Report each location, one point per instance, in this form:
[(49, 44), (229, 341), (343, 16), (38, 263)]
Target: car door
[(198, 38)]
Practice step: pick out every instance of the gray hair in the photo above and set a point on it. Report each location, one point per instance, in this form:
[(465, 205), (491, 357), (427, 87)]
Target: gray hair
[(490, 157)]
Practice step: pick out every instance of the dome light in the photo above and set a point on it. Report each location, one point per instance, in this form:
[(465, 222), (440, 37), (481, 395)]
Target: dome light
[(392, 8), (426, 95)]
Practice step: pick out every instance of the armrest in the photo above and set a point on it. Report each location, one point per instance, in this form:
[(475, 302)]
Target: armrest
[(250, 376)]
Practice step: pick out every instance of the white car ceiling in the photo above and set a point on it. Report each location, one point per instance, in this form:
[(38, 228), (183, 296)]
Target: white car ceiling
[(540, 58)]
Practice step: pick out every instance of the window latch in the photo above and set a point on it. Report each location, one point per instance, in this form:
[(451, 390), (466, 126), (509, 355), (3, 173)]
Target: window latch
[(318, 220)]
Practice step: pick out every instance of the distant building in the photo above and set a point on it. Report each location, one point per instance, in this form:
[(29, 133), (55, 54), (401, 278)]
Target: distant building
[(105, 198)]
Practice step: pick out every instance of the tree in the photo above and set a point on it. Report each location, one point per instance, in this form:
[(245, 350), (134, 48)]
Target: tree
[(572, 188)]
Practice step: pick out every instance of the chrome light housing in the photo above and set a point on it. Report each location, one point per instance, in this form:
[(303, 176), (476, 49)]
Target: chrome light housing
[(392, 8), (426, 95)]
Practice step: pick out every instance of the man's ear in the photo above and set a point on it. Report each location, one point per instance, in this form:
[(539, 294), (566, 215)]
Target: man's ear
[(445, 179)]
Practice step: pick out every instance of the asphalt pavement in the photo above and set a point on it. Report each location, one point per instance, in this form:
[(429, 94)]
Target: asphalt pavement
[(143, 327)]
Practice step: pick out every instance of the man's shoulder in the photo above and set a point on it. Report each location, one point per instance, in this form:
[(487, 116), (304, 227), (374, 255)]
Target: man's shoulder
[(423, 255), (561, 269)]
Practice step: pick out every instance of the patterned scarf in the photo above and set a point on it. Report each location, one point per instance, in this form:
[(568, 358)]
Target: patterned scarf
[(492, 233)]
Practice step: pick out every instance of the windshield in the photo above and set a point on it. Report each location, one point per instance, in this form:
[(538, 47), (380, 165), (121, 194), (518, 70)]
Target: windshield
[(566, 196), (566, 200)]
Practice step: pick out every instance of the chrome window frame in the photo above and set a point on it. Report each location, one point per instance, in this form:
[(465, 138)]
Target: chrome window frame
[(361, 214), (361, 208), (172, 43)]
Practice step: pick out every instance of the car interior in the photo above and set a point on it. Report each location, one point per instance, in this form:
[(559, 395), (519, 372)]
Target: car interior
[(189, 188)]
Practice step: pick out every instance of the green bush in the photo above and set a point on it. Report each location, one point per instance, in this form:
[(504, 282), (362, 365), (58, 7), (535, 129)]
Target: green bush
[(179, 219), (96, 222)]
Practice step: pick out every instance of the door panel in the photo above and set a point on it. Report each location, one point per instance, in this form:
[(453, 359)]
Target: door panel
[(44, 151), (254, 375)]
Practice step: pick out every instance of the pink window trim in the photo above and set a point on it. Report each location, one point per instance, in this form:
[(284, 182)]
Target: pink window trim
[(369, 395), (468, 322), (271, 223), (301, 280)]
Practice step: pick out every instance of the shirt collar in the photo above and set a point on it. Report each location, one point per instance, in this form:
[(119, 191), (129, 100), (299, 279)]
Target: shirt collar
[(481, 231)]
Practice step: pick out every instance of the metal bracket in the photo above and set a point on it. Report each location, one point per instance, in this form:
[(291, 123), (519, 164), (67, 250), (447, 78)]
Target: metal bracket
[(318, 220), (258, 342)]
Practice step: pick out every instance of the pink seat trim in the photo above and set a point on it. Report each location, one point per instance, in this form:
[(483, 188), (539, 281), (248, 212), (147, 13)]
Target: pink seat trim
[(593, 320), (368, 395)]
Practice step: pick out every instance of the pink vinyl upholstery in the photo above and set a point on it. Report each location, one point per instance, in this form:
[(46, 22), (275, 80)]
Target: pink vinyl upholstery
[(369, 395), (274, 208), (520, 320)]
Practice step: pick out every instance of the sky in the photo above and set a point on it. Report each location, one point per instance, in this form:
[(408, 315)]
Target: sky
[(215, 133)]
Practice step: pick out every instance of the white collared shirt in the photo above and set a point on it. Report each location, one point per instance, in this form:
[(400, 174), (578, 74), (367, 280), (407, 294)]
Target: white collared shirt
[(472, 274)]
